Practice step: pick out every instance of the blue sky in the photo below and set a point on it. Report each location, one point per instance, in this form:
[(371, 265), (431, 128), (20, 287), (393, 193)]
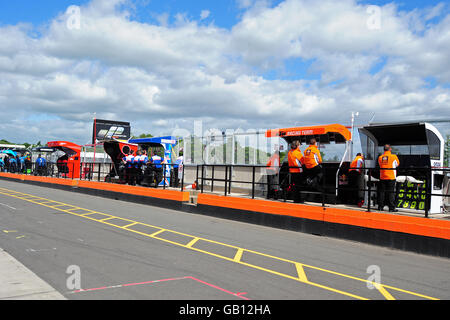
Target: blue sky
[(35, 12), (224, 13)]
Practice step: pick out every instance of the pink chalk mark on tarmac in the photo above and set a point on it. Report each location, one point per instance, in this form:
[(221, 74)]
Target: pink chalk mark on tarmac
[(238, 294)]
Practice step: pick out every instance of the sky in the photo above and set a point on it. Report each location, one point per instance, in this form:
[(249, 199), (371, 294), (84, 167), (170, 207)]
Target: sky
[(231, 64)]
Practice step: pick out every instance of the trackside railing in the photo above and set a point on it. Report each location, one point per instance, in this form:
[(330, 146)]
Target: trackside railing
[(326, 190)]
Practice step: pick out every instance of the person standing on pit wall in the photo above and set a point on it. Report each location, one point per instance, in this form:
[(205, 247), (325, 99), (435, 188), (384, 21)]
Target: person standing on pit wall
[(137, 167), (177, 170), (273, 169), (129, 174), (144, 157), (6, 161), (40, 165), (22, 164), (12, 165), (142, 161), (356, 179), (19, 167), (156, 162), (296, 162), (19, 164), (388, 163), (313, 164), (28, 164)]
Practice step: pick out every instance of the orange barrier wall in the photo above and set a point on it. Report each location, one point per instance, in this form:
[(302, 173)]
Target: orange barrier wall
[(133, 190), (382, 221)]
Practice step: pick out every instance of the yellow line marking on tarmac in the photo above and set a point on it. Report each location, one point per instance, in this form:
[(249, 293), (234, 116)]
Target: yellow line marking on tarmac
[(130, 225), (56, 204), (74, 208), (301, 272), (86, 214), (62, 205), (106, 219), (300, 266), (238, 256), (194, 241), (367, 281), (158, 233), (9, 194), (384, 292)]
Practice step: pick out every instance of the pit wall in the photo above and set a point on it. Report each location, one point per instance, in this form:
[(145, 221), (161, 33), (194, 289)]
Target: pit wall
[(156, 197), (420, 235)]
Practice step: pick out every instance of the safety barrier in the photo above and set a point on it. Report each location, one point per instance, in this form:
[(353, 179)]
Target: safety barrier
[(326, 189), (116, 191), (414, 234), (383, 221)]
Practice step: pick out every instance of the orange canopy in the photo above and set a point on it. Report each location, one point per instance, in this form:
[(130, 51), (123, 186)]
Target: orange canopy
[(335, 132)]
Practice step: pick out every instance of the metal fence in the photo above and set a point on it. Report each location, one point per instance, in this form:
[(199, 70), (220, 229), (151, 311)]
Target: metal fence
[(251, 178), (157, 176), (48, 170), (329, 189)]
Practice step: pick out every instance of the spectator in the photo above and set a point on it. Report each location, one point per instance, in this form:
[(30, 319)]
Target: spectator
[(388, 163), (41, 165), (356, 179)]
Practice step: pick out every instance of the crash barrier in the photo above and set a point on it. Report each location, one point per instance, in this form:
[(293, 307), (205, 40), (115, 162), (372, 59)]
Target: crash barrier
[(48, 170), (157, 197), (415, 188), (151, 175), (41, 179), (423, 189), (414, 234)]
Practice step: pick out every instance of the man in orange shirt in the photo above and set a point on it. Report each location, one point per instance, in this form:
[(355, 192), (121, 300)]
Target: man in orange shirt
[(356, 179), (388, 163), (313, 161), (273, 167), (296, 162)]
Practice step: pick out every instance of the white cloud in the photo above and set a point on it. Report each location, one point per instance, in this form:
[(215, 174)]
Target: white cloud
[(205, 14)]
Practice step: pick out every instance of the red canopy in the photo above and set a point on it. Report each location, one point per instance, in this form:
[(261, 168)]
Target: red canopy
[(64, 144)]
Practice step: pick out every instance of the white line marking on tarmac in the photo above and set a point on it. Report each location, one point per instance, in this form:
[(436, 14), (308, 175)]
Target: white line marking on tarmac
[(2, 204), (40, 250)]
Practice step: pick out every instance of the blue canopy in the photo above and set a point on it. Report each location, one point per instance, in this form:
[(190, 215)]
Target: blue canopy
[(9, 152), (155, 140)]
